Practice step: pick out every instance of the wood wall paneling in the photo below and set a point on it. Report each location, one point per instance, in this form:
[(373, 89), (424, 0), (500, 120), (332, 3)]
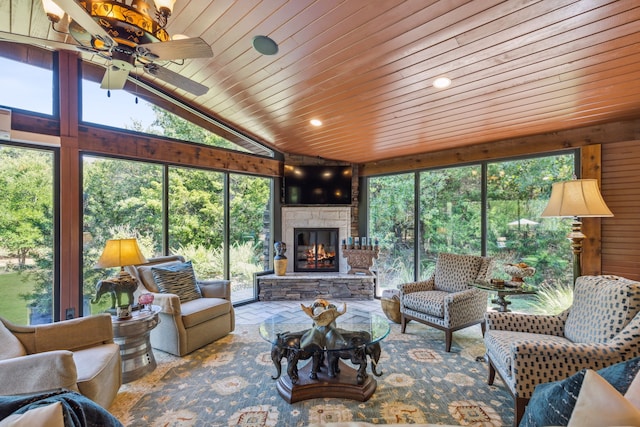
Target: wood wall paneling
[(621, 192)]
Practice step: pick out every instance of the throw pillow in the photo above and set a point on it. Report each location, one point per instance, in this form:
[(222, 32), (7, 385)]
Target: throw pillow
[(177, 279), (552, 403), (43, 416), (599, 404), (633, 392)]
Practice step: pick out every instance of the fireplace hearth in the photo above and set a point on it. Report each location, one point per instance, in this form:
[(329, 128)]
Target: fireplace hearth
[(316, 250)]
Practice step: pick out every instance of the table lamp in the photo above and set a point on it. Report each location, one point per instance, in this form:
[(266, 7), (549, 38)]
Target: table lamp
[(120, 253), (577, 198)]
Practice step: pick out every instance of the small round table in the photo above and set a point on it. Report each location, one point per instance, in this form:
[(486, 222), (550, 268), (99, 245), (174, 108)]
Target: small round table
[(509, 288), (133, 337)]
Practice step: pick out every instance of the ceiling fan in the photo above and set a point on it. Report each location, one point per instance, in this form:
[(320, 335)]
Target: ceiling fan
[(128, 36)]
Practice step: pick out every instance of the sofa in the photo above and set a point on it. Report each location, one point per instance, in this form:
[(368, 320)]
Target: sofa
[(193, 313), (77, 354)]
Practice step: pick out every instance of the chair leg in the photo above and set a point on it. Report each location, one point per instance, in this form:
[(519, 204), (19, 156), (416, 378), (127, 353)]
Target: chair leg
[(483, 327), (492, 373), (448, 335), (403, 323), (521, 405)]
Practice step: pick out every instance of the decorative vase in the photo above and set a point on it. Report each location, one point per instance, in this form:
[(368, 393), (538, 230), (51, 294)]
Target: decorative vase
[(280, 260)]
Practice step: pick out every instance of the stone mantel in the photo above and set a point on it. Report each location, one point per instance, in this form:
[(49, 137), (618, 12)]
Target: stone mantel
[(309, 286)]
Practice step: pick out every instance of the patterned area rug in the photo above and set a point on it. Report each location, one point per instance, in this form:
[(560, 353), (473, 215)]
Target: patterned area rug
[(228, 383)]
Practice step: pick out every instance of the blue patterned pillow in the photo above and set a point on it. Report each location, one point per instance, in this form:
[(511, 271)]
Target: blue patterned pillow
[(177, 279), (552, 403)]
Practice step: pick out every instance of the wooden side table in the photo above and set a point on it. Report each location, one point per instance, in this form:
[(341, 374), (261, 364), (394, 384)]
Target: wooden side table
[(133, 337)]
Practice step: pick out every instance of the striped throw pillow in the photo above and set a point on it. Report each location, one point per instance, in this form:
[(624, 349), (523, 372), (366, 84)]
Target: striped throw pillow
[(177, 279)]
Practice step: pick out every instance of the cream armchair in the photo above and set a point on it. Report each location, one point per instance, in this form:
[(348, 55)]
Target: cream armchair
[(447, 301), (186, 326), (601, 328), (77, 354)]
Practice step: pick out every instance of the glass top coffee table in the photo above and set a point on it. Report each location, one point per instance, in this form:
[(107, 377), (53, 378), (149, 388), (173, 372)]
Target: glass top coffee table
[(353, 336), (506, 289)]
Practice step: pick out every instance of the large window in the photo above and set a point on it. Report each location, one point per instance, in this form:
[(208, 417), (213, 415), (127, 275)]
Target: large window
[(125, 110), (249, 232), (517, 193), (124, 198), (121, 199), (26, 87), (27, 237), (456, 215), (392, 222), (450, 214)]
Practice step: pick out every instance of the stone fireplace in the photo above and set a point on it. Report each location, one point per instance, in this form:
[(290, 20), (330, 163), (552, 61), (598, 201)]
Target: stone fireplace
[(324, 217), (307, 285)]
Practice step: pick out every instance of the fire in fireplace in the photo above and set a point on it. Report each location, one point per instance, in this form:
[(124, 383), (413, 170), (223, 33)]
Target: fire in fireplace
[(316, 249)]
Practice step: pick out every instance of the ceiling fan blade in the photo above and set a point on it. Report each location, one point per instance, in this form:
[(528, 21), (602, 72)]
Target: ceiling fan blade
[(176, 79), (46, 43), (82, 18), (176, 49), (114, 78)]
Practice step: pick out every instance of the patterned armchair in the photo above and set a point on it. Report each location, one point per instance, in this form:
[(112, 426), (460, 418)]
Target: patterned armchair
[(447, 301), (601, 328)]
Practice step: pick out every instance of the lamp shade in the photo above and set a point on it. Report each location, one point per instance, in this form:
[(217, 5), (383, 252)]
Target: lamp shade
[(576, 198), (120, 252)]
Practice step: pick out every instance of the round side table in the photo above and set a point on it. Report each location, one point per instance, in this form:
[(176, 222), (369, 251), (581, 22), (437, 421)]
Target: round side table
[(133, 337)]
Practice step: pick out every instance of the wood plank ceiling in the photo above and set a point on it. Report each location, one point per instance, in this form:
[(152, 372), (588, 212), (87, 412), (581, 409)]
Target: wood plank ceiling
[(365, 68)]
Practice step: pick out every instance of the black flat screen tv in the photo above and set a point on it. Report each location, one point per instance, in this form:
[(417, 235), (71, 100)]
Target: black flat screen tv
[(317, 185)]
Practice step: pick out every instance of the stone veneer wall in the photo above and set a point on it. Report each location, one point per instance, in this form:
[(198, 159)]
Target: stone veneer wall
[(311, 216), (309, 286)]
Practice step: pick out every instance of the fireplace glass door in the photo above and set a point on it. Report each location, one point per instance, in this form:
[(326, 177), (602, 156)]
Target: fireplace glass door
[(316, 249)]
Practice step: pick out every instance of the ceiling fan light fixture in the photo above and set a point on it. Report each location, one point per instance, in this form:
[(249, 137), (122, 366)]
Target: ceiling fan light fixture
[(442, 82), (53, 11), (165, 7), (265, 45)]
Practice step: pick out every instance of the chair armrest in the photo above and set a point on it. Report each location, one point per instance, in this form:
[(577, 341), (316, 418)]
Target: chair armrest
[(169, 303), (467, 294), (519, 322), (38, 372), (424, 285), (215, 289), (556, 360), (465, 306), (73, 334)]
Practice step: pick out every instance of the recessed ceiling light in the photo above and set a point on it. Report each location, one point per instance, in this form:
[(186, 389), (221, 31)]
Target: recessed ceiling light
[(179, 37), (315, 122), (265, 45), (441, 82)]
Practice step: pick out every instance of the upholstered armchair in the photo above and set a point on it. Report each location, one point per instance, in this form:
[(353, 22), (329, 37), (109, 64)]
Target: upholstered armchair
[(602, 327), (77, 354), (192, 315), (447, 300)]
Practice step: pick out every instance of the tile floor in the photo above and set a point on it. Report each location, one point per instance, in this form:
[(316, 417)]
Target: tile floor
[(254, 313)]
